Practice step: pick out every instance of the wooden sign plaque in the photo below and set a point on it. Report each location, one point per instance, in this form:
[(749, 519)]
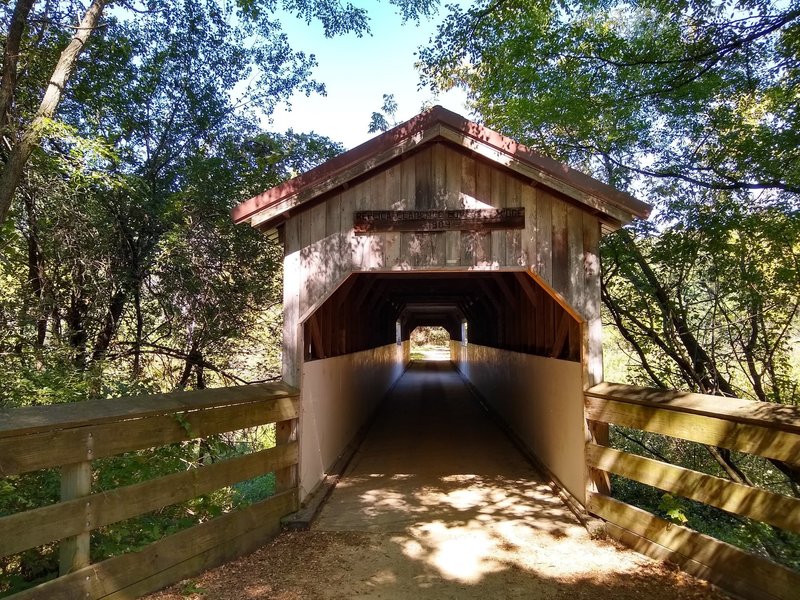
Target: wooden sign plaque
[(470, 219)]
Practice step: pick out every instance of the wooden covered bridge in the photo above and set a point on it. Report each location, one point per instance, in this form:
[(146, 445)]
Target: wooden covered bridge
[(437, 222)]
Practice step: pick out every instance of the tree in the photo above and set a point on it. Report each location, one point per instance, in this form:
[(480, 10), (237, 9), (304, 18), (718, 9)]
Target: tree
[(256, 24), (698, 90), (124, 201), (379, 121), (691, 104), (32, 134)]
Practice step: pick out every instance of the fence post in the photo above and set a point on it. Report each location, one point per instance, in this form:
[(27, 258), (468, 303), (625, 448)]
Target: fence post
[(76, 482), (285, 433)]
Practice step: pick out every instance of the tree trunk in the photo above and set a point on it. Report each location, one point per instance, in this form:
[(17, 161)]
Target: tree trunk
[(12, 170), (187, 366), (137, 348), (36, 271), (110, 324), (725, 460), (77, 315), (8, 84)]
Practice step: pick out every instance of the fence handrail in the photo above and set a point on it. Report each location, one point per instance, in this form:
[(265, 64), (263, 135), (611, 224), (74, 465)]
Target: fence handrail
[(37, 419), (765, 414), (176, 417), (760, 428), (72, 436)]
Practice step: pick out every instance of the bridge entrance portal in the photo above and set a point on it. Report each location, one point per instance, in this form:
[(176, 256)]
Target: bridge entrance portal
[(441, 222)]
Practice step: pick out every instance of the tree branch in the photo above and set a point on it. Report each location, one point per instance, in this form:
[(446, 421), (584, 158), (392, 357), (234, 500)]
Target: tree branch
[(12, 170)]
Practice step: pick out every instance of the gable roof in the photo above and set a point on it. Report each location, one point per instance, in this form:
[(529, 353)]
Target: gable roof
[(271, 207)]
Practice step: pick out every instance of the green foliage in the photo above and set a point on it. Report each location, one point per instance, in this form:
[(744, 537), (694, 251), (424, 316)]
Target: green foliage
[(700, 91), (731, 272), (19, 493), (190, 588), (430, 336), (380, 121), (673, 508), (254, 490)]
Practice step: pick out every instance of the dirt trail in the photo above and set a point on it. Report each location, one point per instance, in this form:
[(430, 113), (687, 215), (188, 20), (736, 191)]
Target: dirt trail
[(452, 511)]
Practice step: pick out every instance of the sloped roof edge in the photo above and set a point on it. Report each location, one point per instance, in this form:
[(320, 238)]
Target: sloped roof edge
[(417, 125)]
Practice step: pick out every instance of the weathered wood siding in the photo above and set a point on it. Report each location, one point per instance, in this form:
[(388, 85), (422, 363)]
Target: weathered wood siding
[(559, 243)]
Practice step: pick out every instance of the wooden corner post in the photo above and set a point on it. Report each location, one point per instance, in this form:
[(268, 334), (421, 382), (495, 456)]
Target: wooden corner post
[(592, 334), (286, 432)]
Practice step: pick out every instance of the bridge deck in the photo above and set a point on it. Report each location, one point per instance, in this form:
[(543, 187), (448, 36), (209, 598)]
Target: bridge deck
[(434, 455), (438, 503)]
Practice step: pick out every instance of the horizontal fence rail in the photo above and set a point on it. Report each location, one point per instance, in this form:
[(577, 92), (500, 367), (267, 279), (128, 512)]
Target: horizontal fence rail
[(72, 436), (768, 430)]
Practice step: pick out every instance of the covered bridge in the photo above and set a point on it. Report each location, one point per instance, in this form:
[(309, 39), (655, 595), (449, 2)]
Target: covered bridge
[(437, 222), (441, 221)]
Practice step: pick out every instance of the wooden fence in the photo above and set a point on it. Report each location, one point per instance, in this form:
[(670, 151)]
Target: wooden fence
[(72, 436), (764, 429)]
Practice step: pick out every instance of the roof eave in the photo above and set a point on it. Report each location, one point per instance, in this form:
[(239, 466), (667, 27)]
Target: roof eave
[(273, 206)]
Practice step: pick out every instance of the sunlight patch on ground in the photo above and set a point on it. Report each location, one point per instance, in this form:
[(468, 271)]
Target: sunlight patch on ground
[(431, 354), (468, 526)]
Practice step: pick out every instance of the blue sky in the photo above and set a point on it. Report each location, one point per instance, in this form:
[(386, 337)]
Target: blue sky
[(357, 72)]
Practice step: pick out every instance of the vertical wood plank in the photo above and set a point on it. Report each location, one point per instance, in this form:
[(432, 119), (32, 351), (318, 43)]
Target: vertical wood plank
[(374, 199), (393, 197), (550, 319), (328, 332), (560, 274), (575, 260), (355, 198), (423, 191), (482, 242), (467, 188), (514, 236), (541, 306), (304, 238), (483, 185), (452, 188), (575, 281), (408, 174), (438, 174), (526, 312), (544, 235), (468, 241), (529, 234), (320, 263), (434, 248), (592, 360), (76, 482), (338, 260), (498, 194), (285, 433), (333, 215)]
